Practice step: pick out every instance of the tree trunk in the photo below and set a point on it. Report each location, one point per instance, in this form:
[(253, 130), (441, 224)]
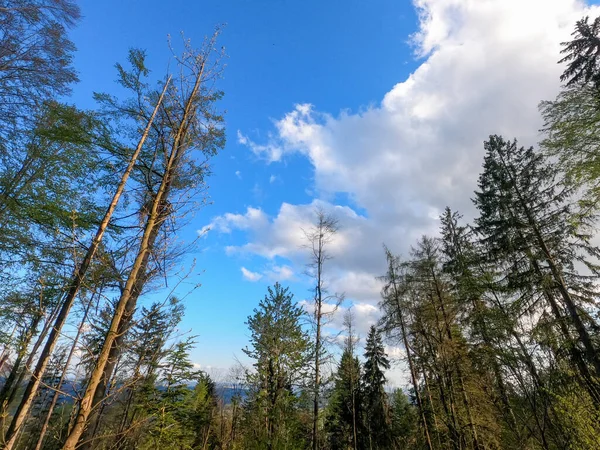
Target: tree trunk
[(411, 366), (78, 277), (153, 223), (115, 351), (63, 375)]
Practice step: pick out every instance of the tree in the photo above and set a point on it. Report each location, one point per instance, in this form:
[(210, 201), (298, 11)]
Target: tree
[(345, 410), (35, 59), (376, 404), (394, 321), (203, 420), (186, 122), (171, 406), (73, 289), (526, 221), (403, 420), (319, 237), (280, 348), (582, 54), (346, 416), (571, 120), (462, 265)]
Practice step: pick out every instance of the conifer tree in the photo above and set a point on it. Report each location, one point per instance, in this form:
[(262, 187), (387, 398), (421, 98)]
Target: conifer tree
[(403, 420), (526, 224), (346, 415), (581, 54), (280, 349), (376, 402)]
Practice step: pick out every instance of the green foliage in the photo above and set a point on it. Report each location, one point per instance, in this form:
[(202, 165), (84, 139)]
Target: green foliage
[(376, 404), (582, 54), (404, 421), (280, 349), (346, 417)]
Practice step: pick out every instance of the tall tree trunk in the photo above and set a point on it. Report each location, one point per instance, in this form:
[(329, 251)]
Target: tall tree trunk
[(117, 347), (153, 223), (584, 337), (457, 361), (315, 427), (78, 277), (413, 374), (63, 375)]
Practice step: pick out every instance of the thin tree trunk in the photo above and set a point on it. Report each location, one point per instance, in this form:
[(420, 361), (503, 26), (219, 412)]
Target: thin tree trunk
[(459, 373), (78, 277), (63, 375), (584, 337), (411, 365), (433, 413), (315, 444), (152, 224)]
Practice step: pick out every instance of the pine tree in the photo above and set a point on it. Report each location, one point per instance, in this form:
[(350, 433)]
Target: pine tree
[(526, 224), (280, 350), (376, 404), (345, 414)]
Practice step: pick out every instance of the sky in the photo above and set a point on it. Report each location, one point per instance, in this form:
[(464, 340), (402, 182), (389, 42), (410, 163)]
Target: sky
[(375, 111)]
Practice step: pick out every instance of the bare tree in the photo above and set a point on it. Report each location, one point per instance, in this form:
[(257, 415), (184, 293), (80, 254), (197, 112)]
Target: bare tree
[(319, 238), (350, 344)]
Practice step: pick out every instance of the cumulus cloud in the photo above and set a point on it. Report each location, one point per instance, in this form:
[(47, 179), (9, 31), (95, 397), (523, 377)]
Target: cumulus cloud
[(280, 273), (249, 275), (253, 218), (486, 65)]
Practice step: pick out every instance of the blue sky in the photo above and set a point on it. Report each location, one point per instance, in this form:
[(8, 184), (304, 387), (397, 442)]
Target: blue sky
[(374, 110)]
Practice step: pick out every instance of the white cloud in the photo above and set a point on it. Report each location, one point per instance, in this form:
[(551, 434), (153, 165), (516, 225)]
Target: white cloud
[(238, 174), (253, 218), (280, 273), (489, 64), (486, 66), (273, 179), (250, 276)]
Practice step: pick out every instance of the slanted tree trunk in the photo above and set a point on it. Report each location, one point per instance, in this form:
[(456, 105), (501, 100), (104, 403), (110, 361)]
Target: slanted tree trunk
[(395, 292), (591, 352), (78, 277), (117, 346), (158, 212), (63, 375)]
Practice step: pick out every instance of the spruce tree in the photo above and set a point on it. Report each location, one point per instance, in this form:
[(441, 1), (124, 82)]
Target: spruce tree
[(346, 416), (527, 225), (376, 403), (581, 54)]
